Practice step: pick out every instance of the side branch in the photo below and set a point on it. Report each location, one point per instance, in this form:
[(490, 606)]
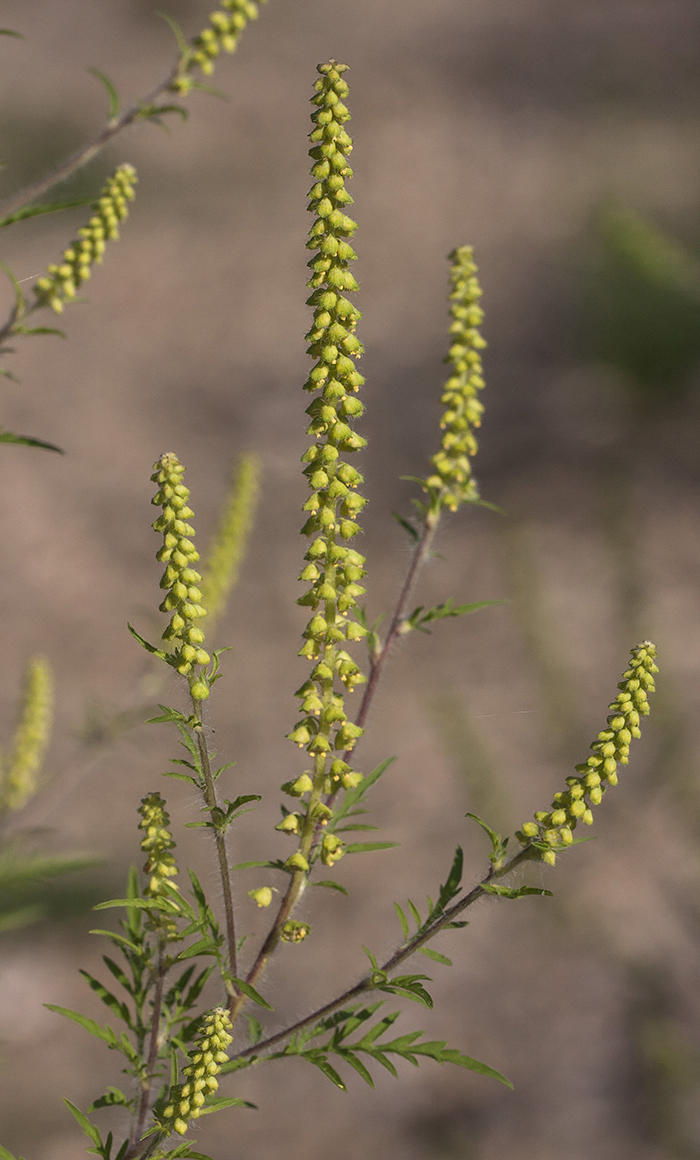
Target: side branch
[(404, 952), (86, 153), (420, 556)]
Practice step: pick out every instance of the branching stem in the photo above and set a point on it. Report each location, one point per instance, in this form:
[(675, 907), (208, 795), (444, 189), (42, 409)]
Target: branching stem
[(399, 956)]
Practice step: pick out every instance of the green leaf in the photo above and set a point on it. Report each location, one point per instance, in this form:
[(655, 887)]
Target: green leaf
[(168, 715), (365, 847), (451, 1055), (322, 1063), (251, 993), (402, 919), (120, 1009), (436, 956), (163, 904), (452, 886), (355, 826), (371, 958), (4, 1154), (220, 1102), (332, 885), (205, 946), (353, 797), (418, 619), (416, 914), (30, 211), (38, 329), (10, 32), (407, 527), (250, 865), (155, 112), (113, 1098), (104, 1033), (111, 92), (89, 1129), (26, 440), (358, 1066), (509, 892), (20, 304), (177, 31), (156, 652), (498, 845), (183, 777)]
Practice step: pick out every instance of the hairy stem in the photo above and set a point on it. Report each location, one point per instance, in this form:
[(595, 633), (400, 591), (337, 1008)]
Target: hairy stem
[(399, 956), (154, 1045), (211, 800)]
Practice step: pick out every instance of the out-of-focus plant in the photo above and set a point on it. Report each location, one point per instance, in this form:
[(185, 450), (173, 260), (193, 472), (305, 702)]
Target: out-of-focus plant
[(177, 1046)]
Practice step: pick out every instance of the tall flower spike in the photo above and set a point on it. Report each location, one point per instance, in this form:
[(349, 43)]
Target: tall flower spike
[(31, 738), (185, 1101), (333, 569), (552, 829), (179, 555), (452, 468), (63, 280), (223, 32)]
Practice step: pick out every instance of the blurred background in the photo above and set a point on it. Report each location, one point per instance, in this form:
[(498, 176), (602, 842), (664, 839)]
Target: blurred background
[(562, 142)]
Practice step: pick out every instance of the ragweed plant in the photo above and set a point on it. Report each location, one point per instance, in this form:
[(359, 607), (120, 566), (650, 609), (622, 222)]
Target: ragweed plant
[(186, 975)]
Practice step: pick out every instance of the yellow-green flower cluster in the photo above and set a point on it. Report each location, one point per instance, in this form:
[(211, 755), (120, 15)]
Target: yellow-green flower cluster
[(294, 931), (157, 843), (63, 280), (552, 829), (179, 555), (223, 33), (32, 736), (452, 468), (333, 570), (185, 1101)]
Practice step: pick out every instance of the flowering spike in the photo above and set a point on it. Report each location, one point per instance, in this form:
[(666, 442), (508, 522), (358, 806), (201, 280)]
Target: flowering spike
[(31, 737), (228, 548), (183, 599), (452, 467), (62, 281), (552, 829), (186, 1101), (333, 506), (223, 32), (157, 844)]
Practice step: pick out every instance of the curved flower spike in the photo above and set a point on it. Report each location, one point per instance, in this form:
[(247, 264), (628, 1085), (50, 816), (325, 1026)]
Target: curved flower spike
[(179, 554), (61, 283), (552, 830)]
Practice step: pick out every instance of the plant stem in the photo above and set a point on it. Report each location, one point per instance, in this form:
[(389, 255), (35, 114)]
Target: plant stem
[(86, 152), (399, 956), (154, 1046), (420, 555), (209, 793)]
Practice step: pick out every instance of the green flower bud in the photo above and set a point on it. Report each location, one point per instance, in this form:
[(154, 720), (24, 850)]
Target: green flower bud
[(262, 896), (297, 862)]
